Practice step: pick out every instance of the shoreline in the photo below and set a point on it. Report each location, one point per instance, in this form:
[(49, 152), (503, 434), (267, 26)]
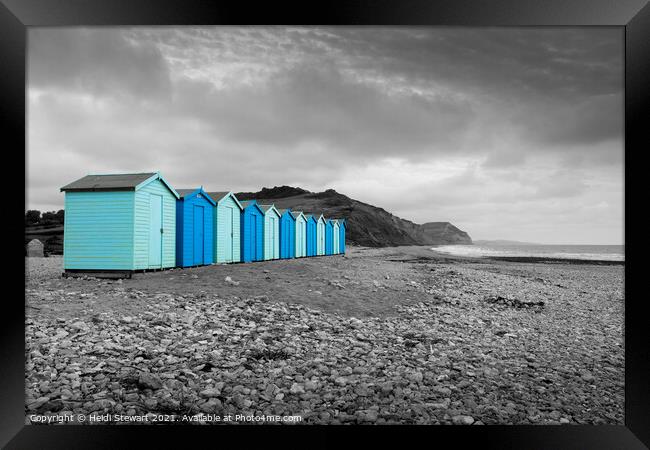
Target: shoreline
[(533, 259), (547, 260)]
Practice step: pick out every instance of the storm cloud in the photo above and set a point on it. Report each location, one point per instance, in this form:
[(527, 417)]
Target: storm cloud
[(477, 126)]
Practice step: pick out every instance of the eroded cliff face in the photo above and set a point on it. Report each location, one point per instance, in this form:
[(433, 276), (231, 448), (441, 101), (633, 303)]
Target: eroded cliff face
[(444, 233), (368, 225)]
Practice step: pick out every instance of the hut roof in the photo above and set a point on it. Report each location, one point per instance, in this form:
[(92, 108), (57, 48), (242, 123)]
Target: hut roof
[(267, 208), (125, 181), (115, 182), (246, 203), (216, 196), (184, 193), (220, 195)]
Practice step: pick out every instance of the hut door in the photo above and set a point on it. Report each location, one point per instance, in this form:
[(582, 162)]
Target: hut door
[(287, 232), (227, 235), (321, 238), (283, 238), (253, 237), (335, 240), (274, 237), (271, 254), (198, 234), (298, 240), (155, 230)]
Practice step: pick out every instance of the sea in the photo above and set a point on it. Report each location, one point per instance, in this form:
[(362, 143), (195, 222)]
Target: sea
[(585, 252)]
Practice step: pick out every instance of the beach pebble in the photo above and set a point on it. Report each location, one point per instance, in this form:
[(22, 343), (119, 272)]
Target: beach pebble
[(462, 420)]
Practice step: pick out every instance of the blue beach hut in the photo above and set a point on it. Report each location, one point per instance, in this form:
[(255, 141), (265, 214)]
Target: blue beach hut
[(119, 222), (271, 232), (329, 237), (194, 228), (227, 219), (320, 235), (287, 233), (312, 238), (301, 234), (252, 232)]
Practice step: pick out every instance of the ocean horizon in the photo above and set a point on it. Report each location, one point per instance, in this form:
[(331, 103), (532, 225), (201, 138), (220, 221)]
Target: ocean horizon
[(555, 251)]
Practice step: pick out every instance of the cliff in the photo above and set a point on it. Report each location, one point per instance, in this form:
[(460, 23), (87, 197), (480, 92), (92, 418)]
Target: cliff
[(368, 225)]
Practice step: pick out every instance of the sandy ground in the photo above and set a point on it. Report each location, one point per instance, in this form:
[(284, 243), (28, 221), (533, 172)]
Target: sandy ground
[(458, 340)]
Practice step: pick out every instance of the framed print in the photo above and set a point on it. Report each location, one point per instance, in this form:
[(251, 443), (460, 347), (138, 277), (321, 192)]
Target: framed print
[(311, 224)]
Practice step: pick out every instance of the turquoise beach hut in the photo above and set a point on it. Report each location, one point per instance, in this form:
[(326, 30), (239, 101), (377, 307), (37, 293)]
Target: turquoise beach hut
[(271, 232), (194, 228), (287, 233), (320, 235), (301, 234), (227, 219), (119, 222), (312, 235), (336, 249), (342, 228), (252, 232)]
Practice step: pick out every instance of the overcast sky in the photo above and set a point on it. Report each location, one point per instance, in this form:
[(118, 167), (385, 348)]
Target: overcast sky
[(507, 133)]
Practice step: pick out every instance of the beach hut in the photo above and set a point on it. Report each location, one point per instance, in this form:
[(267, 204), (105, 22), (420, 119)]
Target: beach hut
[(301, 234), (336, 249), (252, 232), (271, 232), (329, 237), (320, 235), (226, 220), (194, 228), (119, 222), (342, 227), (312, 235), (287, 233)]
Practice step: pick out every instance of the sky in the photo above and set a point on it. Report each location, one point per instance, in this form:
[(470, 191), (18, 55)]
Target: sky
[(508, 133)]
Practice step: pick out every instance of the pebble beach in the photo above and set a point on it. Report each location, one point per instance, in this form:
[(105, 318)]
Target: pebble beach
[(396, 335)]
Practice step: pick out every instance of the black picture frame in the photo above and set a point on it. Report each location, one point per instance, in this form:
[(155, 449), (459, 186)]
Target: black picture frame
[(17, 15)]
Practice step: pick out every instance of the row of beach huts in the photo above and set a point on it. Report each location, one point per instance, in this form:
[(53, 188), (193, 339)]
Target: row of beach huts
[(133, 222)]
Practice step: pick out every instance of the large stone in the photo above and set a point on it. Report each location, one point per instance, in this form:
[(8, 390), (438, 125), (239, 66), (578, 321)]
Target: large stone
[(297, 389), (38, 403), (149, 381), (462, 420), (211, 405), (415, 377), (210, 393), (368, 415), (35, 248), (444, 404), (79, 326), (311, 385)]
